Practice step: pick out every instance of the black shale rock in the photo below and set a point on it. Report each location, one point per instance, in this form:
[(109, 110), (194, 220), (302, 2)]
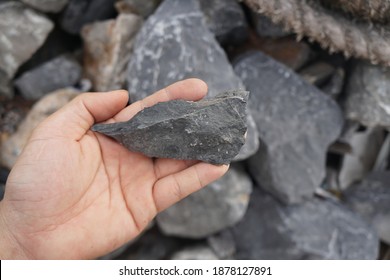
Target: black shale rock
[(210, 130)]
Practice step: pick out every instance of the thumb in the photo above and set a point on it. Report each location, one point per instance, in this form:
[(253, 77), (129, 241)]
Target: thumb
[(74, 119)]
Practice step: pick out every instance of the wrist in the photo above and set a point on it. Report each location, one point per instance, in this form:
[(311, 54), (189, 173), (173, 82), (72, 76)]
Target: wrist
[(9, 245)]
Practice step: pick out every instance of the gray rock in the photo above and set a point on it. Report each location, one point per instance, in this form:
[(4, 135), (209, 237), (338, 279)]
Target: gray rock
[(317, 73), (296, 124), (368, 95), (139, 7), (107, 50), (50, 6), (219, 205), (210, 130), (195, 253), (226, 19), (371, 199), (266, 28), (223, 244), (316, 229), (335, 85), (22, 31), (63, 71), (80, 12), (165, 51)]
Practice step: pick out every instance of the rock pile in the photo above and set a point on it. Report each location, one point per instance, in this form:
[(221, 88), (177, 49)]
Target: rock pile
[(311, 180)]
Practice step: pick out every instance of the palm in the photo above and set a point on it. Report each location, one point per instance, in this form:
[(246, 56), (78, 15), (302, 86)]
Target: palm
[(86, 195)]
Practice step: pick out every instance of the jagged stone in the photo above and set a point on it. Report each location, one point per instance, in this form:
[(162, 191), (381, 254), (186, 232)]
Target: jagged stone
[(210, 130), (316, 229), (22, 31), (107, 50), (81, 12), (216, 207), (165, 51), (60, 72), (296, 124), (371, 199), (368, 95), (50, 6), (226, 19)]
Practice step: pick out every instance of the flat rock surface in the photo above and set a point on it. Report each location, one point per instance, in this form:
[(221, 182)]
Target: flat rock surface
[(165, 51), (60, 72), (296, 123), (368, 95), (216, 207), (50, 6), (210, 130), (22, 31), (316, 229), (371, 199), (107, 50)]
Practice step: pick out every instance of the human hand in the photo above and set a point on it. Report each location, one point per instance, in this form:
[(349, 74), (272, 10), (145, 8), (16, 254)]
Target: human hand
[(77, 194)]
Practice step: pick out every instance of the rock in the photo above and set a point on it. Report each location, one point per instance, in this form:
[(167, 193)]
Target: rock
[(317, 73), (49, 6), (140, 7), (222, 244), (371, 199), (22, 31), (266, 28), (12, 112), (334, 87), (80, 12), (316, 229), (165, 51), (210, 130), (226, 19), (219, 205), (195, 253), (14, 145), (63, 71), (296, 123), (368, 95), (107, 50)]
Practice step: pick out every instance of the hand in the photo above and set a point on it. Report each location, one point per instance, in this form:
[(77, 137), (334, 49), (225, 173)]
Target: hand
[(76, 194)]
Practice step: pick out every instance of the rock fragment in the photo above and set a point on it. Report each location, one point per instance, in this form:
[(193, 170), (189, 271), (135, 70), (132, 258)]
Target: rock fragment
[(49, 6), (266, 28), (60, 72), (296, 124), (316, 229), (22, 31), (165, 51), (210, 130), (107, 50), (371, 199), (140, 7), (368, 95), (216, 207)]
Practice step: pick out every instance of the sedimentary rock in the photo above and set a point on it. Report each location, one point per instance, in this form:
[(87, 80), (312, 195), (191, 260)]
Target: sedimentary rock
[(60, 72), (368, 95), (165, 51), (50, 6), (210, 130), (296, 123), (107, 50), (371, 199), (316, 229), (22, 31), (214, 208), (226, 19)]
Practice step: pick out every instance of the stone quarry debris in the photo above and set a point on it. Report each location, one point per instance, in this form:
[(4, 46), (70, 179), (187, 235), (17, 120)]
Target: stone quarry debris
[(216, 207), (60, 72), (315, 229), (165, 51), (107, 50), (22, 31), (371, 199), (368, 95), (296, 124), (50, 6), (210, 130), (226, 19)]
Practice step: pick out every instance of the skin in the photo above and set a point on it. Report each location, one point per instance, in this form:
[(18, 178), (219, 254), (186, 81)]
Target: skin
[(77, 194)]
